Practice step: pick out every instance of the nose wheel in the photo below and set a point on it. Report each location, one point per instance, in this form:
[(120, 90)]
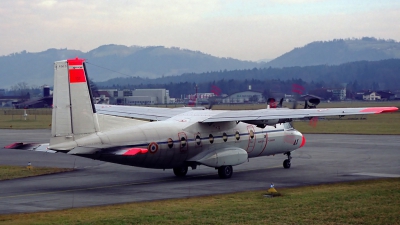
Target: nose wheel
[(286, 162)]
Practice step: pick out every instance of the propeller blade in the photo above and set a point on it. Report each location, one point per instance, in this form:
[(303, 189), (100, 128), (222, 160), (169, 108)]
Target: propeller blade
[(306, 106), (294, 106), (280, 105)]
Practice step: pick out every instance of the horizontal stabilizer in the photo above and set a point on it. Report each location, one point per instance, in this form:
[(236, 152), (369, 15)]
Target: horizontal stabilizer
[(31, 147)]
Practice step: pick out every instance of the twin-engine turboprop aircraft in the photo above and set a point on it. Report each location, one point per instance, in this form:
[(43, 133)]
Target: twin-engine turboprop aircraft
[(164, 138)]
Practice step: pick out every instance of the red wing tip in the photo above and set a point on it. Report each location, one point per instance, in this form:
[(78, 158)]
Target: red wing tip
[(14, 145), (380, 109)]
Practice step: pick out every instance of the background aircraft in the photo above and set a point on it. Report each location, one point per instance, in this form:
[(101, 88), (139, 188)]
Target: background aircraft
[(164, 138)]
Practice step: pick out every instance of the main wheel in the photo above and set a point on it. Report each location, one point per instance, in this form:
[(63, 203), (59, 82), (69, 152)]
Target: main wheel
[(286, 164), (180, 171), (225, 172)]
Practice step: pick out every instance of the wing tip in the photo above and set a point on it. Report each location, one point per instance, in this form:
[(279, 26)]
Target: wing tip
[(378, 110), (15, 145)]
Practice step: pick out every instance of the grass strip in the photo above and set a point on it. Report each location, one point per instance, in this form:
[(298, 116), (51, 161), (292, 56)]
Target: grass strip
[(13, 172), (361, 202), (386, 123), (19, 122)]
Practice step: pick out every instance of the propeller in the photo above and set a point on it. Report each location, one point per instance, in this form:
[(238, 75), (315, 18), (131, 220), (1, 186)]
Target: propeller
[(217, 93), (212, 101), (310, 102)]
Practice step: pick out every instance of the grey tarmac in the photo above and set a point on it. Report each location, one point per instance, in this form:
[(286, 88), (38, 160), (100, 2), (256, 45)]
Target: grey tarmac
[(326, 158)]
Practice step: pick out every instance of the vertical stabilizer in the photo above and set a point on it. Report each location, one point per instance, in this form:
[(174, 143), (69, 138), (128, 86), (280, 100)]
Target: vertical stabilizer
[(74, 115)]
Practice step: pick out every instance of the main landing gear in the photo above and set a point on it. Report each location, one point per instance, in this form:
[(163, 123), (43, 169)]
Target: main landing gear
[(225, 172), (181, 171), (286, 162)]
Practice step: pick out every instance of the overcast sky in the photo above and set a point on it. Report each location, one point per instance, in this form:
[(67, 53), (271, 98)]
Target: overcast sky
[(247, 30)]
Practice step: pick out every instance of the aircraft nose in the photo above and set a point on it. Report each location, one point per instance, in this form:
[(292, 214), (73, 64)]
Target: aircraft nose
[(303, 141)]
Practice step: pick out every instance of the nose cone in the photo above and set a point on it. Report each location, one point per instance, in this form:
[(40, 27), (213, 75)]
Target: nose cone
[(303, 141)]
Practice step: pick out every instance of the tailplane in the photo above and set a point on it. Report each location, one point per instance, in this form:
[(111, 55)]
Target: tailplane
[(74, 115)]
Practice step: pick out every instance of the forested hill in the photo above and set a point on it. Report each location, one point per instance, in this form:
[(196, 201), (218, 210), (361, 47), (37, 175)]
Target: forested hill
[(338, 51), (385, 73), (111, 61)]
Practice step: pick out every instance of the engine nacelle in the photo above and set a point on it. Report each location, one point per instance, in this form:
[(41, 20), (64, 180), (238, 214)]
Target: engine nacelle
[(311, 103)]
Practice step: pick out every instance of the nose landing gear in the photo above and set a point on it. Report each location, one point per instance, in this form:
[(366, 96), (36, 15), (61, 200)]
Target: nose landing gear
[(286, 162)]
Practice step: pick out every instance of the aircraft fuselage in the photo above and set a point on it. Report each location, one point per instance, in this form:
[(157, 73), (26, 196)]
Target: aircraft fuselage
[(173, 142)]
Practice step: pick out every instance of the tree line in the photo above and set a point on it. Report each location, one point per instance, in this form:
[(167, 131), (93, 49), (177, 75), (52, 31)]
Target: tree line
[(355, 76)]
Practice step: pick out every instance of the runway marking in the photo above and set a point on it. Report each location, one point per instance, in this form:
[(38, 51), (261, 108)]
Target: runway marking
[(122, 185), (377, 175)]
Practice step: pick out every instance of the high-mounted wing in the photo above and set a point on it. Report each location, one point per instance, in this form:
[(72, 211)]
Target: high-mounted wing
[(271, 116), (139, 112)]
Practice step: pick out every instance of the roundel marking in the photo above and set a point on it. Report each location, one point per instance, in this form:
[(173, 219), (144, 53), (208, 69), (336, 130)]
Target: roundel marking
[(153, 147)]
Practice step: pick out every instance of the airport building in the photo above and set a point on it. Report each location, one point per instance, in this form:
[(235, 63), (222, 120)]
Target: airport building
[(244, 97), (339, 94), (138, 96)]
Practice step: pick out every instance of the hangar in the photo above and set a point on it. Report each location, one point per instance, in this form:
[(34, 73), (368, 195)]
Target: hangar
[(244, 97)]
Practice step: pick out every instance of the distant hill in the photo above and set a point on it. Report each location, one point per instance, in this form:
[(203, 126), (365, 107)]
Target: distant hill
[(32, 68), (143, 64), (368, 74), (338, 51), (110, 61)]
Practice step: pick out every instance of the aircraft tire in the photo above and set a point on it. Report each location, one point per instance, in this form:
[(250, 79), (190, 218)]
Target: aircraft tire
[(225, 172), (286, 164), (180, 171)]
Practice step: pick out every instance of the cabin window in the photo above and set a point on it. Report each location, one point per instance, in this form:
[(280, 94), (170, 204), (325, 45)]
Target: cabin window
[(198, 140), (170, 143), (211, 138), (224, 137), (183, 142), (251, 133), (237, 135)]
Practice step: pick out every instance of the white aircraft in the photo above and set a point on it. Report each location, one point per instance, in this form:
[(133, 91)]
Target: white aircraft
[(164, 138)]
